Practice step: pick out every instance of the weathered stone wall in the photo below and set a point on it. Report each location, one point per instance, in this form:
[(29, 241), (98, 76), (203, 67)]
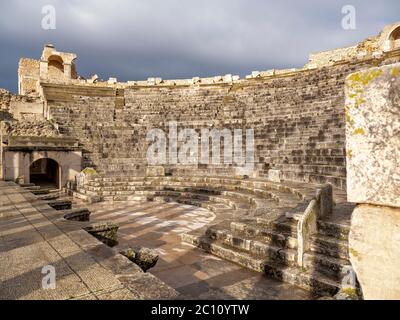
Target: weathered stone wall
[(298, 119), (19, 107), (28, 76), (17, 163), (373, 150)]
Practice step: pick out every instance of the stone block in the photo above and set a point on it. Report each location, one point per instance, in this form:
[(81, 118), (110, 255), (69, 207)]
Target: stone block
[(373, 136), (324, 197), (155, 171), (374, 248), (274, 175), (228, 78)]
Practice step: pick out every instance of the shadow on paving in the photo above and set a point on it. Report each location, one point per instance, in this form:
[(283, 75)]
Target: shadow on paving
[(194, 273)]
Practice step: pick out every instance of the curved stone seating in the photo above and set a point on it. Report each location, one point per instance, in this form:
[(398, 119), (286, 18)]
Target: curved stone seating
[(243, 196)]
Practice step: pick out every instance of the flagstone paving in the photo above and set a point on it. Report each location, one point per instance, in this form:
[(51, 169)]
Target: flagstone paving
[(192, 272), (33, 236)]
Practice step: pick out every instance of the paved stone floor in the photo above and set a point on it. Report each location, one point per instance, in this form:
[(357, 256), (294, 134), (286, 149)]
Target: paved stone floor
[(192, 272), (33, 235)]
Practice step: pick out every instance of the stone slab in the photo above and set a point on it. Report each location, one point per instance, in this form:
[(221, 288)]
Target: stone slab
[(374, 247), (373, 136)]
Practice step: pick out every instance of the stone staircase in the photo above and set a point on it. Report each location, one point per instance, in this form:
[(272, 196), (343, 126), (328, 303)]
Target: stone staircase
[(271, 248)]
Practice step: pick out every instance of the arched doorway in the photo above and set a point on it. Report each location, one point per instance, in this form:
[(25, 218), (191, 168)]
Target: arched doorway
[(55, 68), (395, 38), (45, 173)]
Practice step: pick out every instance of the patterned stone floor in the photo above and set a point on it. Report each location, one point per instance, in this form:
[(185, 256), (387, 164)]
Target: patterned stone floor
[(192, 272)]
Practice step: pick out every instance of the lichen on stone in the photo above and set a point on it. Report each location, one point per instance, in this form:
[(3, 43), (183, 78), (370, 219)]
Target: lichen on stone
[(359, 131), (354, 253), (89, 171), (395, 72), (364, 78)]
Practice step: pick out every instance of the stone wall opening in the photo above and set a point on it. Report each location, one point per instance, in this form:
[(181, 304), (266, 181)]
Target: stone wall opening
[(45, 173), (395, 38), (55, 68)]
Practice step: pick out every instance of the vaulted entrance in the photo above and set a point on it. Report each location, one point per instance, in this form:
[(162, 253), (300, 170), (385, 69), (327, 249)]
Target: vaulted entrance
[(45, 173)]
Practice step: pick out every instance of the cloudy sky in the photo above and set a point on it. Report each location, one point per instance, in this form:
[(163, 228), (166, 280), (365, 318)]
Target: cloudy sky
[(137, 39)]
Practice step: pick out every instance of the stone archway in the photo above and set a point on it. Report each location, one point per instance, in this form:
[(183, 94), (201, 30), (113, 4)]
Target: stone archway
[(55, 68), (395, 38), (45, 172)]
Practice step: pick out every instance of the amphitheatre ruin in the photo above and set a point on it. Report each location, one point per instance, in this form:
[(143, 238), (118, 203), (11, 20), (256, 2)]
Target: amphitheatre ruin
[(316, 217)]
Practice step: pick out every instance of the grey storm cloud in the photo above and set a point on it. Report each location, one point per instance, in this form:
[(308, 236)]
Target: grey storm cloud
[(134, 40)]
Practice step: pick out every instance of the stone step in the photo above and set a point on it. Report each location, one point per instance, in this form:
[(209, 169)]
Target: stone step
[(230, 202), (332, 229), (329, 266), (39, 191), (288, 226), (214, 207), (60, 204), (236, 200), (208, 182), (226, 252), (48, 196), (79, 214), (264, 233), (315, 282), (256, 246), (31, 187), (26, 185), (85, 197), (249, 194), (330, 246)]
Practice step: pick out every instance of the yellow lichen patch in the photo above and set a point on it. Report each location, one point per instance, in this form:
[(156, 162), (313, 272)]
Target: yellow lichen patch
[(349, 153), (354, 253), (360, 131), (349, 120), (395, 72), (359, 102), (365, 78), (89, 171), (351, 292)]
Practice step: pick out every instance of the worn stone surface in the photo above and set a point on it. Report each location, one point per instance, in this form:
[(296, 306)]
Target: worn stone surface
[(155, 171), (324, 196), (374, 247), (35, 128), (145, 258), (192, 272), (373, 136), (77, 214), (106, 232), (33, 235)]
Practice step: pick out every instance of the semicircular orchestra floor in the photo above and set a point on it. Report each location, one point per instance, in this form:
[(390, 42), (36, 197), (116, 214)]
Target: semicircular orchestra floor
[(192, 272)]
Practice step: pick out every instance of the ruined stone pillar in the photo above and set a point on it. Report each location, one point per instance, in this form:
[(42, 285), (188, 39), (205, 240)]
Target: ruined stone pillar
[(43, 69), (373, 178), (67, 71)]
